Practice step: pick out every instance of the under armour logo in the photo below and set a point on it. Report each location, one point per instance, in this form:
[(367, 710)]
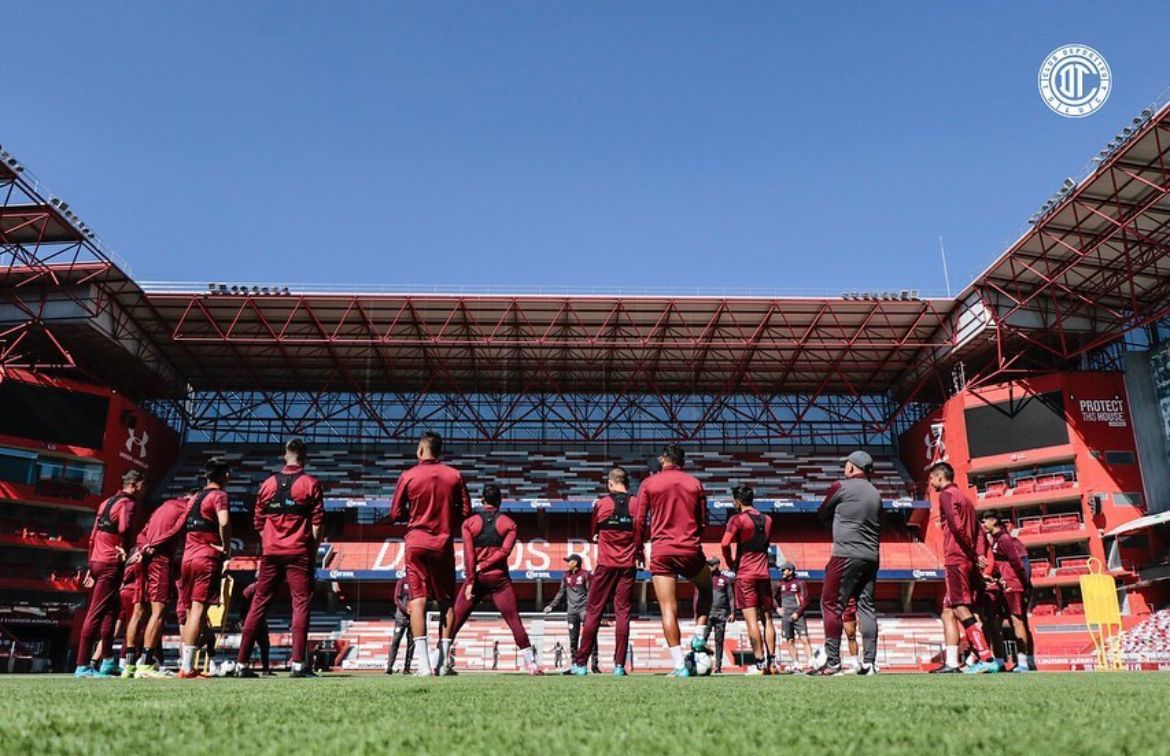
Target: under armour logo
[(140, 441), (936, 445)]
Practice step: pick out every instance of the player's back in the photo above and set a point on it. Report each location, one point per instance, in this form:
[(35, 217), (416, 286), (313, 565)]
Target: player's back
[(677, 506), (436, 500), (963, 513)]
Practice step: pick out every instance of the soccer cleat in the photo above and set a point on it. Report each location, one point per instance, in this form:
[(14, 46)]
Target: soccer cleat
[(85, 671), (1018, 668), (446, 671), (152, 673), (595, 669), (242, 671), (753, 671), (680, 672), (829, 670), (619, 671), (867, 669), (534, 669), (225, 669), (128, 672), (578, 671), (189, 674), (268, 673), (984, 668), (305, 672), (109, 668)]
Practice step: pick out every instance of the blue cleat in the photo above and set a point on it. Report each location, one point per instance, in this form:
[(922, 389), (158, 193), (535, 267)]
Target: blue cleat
[(619, 671), (578, 671), (85, 671), (109, 668), (680, 672), (984, 668)]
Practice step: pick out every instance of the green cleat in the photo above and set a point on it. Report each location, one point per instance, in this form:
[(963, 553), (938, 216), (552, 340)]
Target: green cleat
[(129, 672)]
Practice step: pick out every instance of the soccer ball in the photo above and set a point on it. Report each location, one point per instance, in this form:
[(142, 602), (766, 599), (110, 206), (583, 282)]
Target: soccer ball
[(225, 669), (819, 658), (701, 663)]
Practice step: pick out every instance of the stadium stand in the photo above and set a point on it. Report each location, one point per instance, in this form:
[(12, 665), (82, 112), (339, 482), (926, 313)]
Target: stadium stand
[(350, 473), (906, 642), (1149, 640)]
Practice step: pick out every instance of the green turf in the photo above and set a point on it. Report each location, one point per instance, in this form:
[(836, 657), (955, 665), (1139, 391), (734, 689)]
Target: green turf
[(920, 714)]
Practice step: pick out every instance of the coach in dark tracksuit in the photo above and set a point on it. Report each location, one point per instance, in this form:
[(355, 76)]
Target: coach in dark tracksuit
[(722, 608), (853, 509), (401, 627), (575, 593)]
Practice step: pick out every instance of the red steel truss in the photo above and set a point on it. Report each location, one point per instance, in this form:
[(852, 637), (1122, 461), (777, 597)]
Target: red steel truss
[(1093, 269)]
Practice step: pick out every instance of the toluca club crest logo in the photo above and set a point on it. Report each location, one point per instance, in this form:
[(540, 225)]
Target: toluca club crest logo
[(936, 445)]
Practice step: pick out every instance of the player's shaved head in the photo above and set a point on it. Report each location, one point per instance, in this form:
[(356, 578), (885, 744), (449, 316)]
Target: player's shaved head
[(618, 475)]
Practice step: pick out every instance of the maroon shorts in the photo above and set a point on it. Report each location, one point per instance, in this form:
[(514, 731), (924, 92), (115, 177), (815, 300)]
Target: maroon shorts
[(431, 574), (158, 578), (199, 581), (687, 565), (126, 602), (850, 613), (1014, 602), (753, 593), (964, 583)]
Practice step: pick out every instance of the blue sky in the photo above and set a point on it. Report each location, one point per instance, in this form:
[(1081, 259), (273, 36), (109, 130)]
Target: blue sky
[(613, 144)]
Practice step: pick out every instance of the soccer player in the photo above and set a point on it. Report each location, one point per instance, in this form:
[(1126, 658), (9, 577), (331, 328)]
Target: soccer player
[(160, 544), (401, 627), (574, 591), (615, 528), (289, 513), (751, 531), (109, 545), (1015, 576), (852, 508), (206, 552), (434, 501), (488, 540), (722, 607), (676, 506), (961, 568), (792, 596)]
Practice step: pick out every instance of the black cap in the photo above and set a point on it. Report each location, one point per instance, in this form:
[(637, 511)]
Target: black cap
[(573, 558)]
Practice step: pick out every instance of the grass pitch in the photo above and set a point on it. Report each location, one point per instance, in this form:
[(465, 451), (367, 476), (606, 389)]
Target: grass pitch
[(1105, 713)]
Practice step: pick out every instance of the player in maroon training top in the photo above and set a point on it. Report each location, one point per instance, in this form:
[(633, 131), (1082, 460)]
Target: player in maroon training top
[(109, 545), (1014, 574), (434, 501), (791, 598), (616, 529), (288, 516), (676, 506), (160, 545), (961, 568), (488, 540), (206, 550), (751, 531)]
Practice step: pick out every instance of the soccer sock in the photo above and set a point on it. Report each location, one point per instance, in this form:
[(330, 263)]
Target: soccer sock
[(529, 657), (131, 655), (701, 633), (148, 657), (298, 666), (676, 656), (952, 656), (422, 652), (444, 651), (187, 662), (974, 632)]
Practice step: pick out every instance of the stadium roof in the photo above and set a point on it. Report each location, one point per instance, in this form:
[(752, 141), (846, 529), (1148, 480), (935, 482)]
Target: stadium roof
[(1094, 264)]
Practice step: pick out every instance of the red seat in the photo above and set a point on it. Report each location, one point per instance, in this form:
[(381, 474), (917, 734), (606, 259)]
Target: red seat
[(996, 489), (1025, 486)]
